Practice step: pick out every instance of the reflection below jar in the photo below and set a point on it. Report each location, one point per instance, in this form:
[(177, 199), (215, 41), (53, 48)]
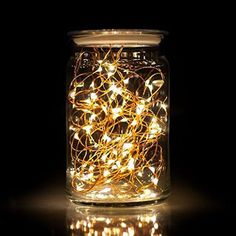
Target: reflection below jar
[(99, 221)]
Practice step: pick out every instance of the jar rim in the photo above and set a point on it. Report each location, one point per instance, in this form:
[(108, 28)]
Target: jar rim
[(118, 37)]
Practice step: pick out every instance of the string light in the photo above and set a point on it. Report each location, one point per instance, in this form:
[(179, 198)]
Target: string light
[(121, 125)]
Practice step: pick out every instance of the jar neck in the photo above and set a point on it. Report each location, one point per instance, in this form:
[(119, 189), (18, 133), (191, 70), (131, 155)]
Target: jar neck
[(126, 53)]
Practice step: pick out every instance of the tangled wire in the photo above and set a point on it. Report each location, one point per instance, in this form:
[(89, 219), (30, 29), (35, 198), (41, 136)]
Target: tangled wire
[(117, 117)]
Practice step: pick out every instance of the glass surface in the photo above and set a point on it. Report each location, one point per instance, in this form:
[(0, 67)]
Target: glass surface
[(117, 119)]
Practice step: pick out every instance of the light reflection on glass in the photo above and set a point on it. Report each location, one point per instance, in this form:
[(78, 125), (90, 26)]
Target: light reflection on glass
[(151, 220)]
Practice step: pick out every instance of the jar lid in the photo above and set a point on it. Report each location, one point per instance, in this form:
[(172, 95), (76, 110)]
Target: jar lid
[(117, 37)]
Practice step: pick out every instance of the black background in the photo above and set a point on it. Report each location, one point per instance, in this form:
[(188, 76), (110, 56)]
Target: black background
[(36, 50)]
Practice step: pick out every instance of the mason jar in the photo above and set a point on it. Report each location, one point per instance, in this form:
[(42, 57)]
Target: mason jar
[(117, 118)]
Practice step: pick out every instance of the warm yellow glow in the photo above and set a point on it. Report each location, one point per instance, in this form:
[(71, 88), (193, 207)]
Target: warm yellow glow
[(93, 96), (156, 225), (87, 128), (111, 69), (106, 173), (115, 89), (92, 117), (115, 123), (134, 122), (106, 138), (155, 181), (140, 108), (127, 146), (152, 169), (116, 111), (123, 225), (126, 81), (131, 164)]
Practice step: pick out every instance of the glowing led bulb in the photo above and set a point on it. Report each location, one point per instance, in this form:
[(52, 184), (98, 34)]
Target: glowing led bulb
[(155, 181), (93, 96), (92, 85), (124, 120), (123, 224), (105, 190), (118, 164), (111, 69), (131, 164), (72, 94), (71, 127), (115, 152), (126, 81), (88, 101), (77, 226), (106, 173), (104, 157), (106, 138), (116, 112), (91, 168), (87, 128), (76, 136), (140, 174), (130, 231), (88, 176), (99, 69), (127, 146), (109, 162), (140, 107), (92, 117), (115, 89), (134, 122), (147, 82), (104, 109), (164, 106), (108, 221), (156, 225), (152, 169)]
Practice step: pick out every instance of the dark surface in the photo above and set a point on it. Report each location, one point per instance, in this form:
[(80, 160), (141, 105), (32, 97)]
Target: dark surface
[(35, 52), (47, 212)]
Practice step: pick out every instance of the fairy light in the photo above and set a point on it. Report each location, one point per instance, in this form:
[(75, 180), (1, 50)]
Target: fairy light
[(92, 117), (123, 225), (126, 81), (93, 96), (87, 128), (106, 138), (76, 136), (134, 122), (116, 112), (115, 89), (106, 173), (140, 107), (152, 169), (131, 164), (155, 181), (121, 128), (127, 146)]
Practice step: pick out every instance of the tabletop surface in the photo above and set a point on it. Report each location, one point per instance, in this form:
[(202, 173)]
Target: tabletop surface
[(48, 212)]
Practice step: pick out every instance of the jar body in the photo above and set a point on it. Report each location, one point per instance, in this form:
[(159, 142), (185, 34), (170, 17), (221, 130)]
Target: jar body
[(117, 125)]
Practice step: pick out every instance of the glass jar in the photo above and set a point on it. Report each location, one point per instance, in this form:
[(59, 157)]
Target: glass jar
[(117, 118)]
